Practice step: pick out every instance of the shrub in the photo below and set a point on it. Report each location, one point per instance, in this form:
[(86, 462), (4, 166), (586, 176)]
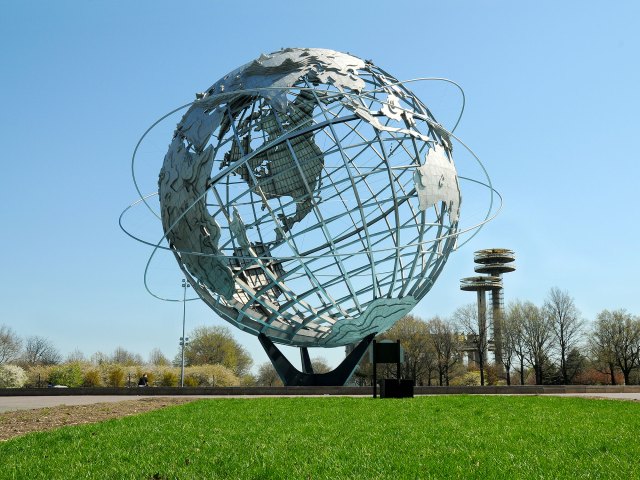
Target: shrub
[(247, 380), (211, 376), (491, 376), (591, 376), (38, 376), (69, 374), (92, 378), (168, 378), (469, 379), (115, 376), (12, 376)]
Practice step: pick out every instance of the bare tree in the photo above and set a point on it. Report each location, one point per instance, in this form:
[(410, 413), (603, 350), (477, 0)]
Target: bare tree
[(156, 357), (40, 351), (445, 344), (514, 332), (99, 358), (10, 344), (75, 356), (617, 339), (537, 336), (511, 337), (601, 346), (561, 312), (267, 375), (467, 320), (320, 365), (124, 357)]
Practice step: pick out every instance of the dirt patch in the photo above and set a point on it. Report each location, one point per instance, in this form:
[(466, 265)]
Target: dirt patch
[(14, 424)]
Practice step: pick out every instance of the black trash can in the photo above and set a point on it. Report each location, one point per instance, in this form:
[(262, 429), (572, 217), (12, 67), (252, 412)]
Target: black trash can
[(394, 388)]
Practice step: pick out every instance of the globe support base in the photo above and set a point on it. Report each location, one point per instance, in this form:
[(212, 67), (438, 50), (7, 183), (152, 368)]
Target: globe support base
[(291, 376)]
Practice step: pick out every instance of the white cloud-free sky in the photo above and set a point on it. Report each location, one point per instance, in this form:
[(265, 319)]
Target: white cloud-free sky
[(552, 111)]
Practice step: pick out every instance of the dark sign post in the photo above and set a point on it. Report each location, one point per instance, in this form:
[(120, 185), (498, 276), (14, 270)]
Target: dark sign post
[(385, 352)]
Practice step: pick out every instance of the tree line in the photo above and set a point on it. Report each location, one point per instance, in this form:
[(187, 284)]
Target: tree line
[(213, 357), (547, 344)]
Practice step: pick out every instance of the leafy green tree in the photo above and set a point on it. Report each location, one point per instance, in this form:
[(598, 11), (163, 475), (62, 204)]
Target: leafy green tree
[(468, 379), (216, 345), (551, 374), (168, 378), (92, 378), (420, 359)]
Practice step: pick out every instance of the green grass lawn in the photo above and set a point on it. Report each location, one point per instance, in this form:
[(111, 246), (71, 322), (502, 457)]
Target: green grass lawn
[(426, 437)]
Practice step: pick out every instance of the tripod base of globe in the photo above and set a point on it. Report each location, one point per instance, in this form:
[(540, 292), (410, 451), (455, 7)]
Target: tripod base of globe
[(292, 377)]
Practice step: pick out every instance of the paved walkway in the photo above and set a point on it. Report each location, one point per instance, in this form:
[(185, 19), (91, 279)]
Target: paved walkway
[(610, 396), (27, 403), (8, 404)]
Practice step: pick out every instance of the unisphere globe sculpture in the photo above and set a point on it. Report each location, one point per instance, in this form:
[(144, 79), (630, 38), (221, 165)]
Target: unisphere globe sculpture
[(310, 198)]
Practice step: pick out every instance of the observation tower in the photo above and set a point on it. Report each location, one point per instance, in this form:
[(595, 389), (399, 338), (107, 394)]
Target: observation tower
[(493, 263)]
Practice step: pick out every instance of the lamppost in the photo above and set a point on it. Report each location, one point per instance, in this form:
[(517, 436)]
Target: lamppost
[(183, 340)]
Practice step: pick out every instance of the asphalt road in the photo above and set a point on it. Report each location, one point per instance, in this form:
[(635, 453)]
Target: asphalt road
[(27, 403)]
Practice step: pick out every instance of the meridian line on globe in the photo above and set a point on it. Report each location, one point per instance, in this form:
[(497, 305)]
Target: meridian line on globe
[(357, 197)]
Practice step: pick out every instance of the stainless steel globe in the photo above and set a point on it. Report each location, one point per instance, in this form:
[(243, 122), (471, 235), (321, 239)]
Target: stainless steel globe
[(311, 197)]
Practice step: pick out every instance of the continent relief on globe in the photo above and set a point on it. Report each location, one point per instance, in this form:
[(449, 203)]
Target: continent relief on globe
[(189, 226), (437, 181), (274, 171)]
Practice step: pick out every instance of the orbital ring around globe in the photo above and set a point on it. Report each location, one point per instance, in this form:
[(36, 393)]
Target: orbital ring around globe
[(258, 90), (490, 214), (275, 255)]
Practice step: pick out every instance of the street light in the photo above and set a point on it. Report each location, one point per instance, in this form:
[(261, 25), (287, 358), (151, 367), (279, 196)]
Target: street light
[(183, 340)]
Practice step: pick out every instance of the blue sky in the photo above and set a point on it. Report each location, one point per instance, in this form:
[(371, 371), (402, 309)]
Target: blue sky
[(552, 105)]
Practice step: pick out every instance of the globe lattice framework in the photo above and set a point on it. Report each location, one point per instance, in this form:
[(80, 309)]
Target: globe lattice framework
[(311, 197)]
